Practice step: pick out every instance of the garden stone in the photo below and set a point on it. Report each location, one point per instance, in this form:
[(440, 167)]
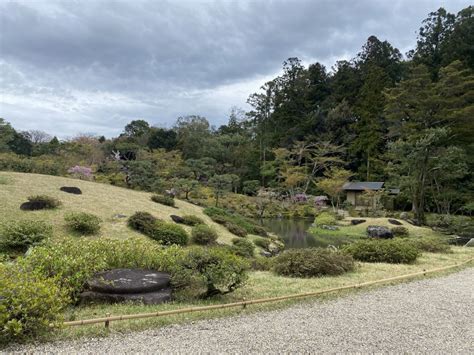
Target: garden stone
[(395, 222), (266, 254), (470, 243), (33, 206), (404, 215), (120, 215), (379, 232), (123, 281), (177, 219), (149, 298), (329, 228), (71, 190), (355, 222)]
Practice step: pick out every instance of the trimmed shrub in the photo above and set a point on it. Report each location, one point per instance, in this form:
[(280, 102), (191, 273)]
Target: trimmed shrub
[(40, 202), (261, 263), (169, 233), (30, 304), (400, 231), (431, 244), (18, 236), (164, 200), (82, 222), (143, 222), (235, 229), (263, 243), (243, 247), (393, 251), (191, 220), (312, 262), (203, 235), (325, 218), (259, 230), (220, 219), (220, 271)]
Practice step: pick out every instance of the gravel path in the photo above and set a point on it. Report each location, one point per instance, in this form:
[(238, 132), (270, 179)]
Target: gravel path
[(427, 316)]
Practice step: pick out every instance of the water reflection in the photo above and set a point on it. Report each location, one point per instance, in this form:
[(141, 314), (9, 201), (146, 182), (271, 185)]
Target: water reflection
[(292, 231)]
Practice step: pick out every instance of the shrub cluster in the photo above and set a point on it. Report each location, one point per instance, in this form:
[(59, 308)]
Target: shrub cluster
[(312, 262), (325, 218), (82, 222), (191, 220), (243, 247), (203, 235), (233, 220), (18, 236), (431, 244), (142, 222), (40, 202), (394, 251), (261, 263), (263, 243), (30, 304), (400, 231), (164, 232), (164, 200)]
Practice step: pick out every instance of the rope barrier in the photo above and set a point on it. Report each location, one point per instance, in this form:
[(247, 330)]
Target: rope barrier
[(106, 320)]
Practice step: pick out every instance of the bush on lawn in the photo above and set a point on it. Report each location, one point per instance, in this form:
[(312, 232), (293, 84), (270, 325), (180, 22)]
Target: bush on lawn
[(431, 244), (40, 202), (82, 222), (30, 304), (18, 236), (259, 230), (262, 263), (393, 251), (164, 200), (325, 218), (235, 229), (400, 231), (312, 262), (191, 220), (169, 233), (203, 235), (220, 271), (142, 222), (243, 247), (263, 243)]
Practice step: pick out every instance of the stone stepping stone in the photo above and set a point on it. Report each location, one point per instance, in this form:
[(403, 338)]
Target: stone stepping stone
[(71, 190), (155, 297)]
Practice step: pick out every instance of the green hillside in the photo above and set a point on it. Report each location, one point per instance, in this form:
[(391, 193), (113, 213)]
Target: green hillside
[(105, 201)]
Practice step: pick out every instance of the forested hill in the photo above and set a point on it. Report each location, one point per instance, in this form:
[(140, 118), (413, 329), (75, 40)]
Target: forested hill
[(382, 116)]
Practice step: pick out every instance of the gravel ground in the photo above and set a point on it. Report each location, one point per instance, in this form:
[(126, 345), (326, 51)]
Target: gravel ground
[(427, 316)]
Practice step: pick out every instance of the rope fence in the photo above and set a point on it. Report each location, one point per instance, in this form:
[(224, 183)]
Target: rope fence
[(106, 320)]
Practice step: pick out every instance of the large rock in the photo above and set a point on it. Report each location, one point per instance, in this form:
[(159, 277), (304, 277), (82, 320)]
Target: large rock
[(355, 222), (33, 206), (379, 232), (470, 243), (71, 190), (395, 222), (121, 285), (177, 219), (128, 281)]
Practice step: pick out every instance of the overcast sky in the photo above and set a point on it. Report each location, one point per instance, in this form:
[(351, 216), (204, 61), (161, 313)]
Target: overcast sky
[(90, 66)]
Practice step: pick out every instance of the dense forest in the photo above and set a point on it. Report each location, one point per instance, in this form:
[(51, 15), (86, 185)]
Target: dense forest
[(382, 116)]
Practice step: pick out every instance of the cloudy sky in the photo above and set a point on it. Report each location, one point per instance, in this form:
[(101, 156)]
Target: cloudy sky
[(91, 66)]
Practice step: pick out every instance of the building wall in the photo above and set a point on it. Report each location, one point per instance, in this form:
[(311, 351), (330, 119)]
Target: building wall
[(351, 197)]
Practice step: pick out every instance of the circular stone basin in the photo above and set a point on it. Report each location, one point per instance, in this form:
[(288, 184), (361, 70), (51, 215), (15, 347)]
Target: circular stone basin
[(126, 281)]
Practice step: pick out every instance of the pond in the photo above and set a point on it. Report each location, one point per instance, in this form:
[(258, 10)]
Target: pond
[(294, 233)]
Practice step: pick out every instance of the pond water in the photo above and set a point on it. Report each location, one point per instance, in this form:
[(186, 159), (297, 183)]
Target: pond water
[(293, 232)]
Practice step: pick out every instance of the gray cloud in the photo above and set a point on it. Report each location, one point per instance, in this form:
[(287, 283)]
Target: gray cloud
[(77, 66)]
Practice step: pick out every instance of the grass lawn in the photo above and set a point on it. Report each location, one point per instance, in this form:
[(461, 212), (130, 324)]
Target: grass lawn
[(261, 284), (105, 201)]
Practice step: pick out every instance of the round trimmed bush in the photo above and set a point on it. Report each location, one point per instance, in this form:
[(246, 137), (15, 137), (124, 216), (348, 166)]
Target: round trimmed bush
[(82, 222), (143, 222), (164, 200), (40, 202), (30, 304), (259, 230), (191, 220), (431, 244), (235, 229), (395, 251), (400, 231), (220, 271), (325, 218), (263, 243), (18, 236), (312, 262), (203, 235), (169, 233), (243, 247)]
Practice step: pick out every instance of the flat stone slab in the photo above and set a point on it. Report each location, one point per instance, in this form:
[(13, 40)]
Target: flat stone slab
[(395, 222), (129, 281), (155, 297), (379, 232), (71, 190)]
